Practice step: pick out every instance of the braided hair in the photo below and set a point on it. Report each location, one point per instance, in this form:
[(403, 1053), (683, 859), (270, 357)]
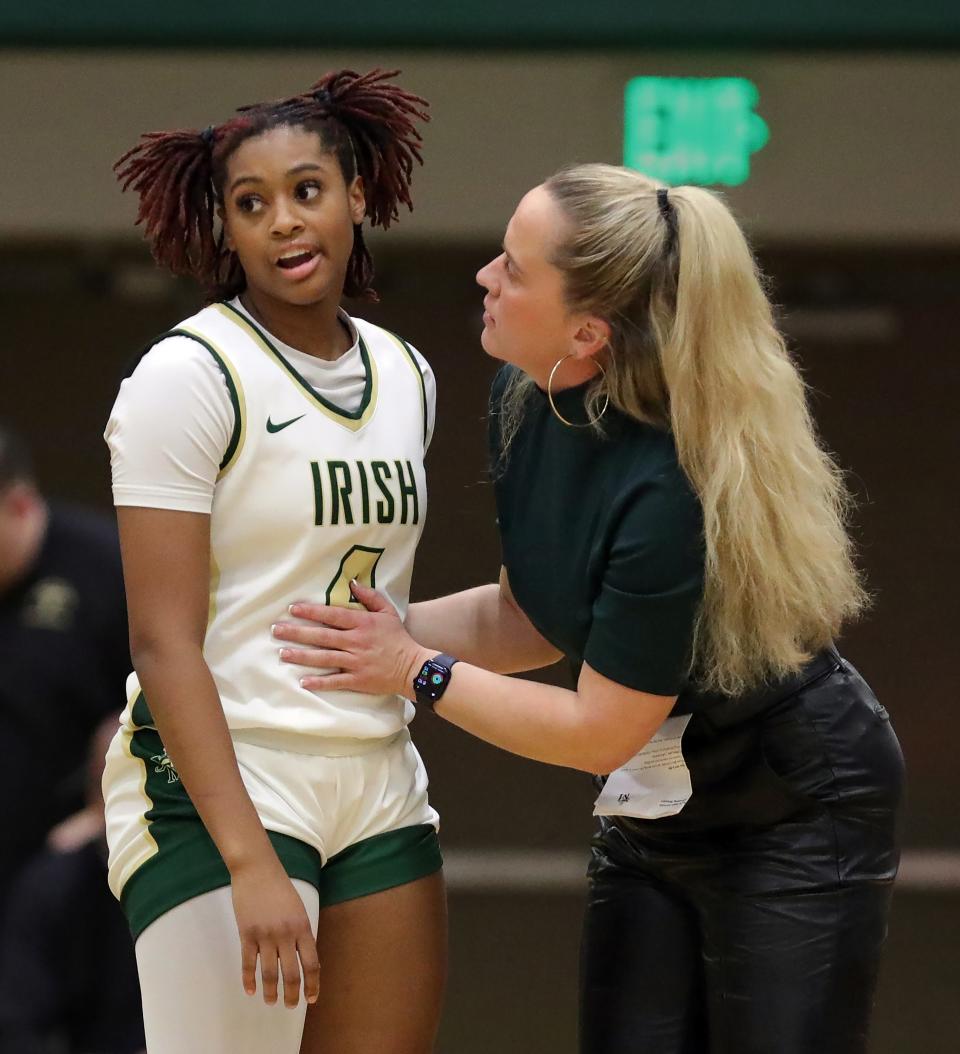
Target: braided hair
[(367, 123)]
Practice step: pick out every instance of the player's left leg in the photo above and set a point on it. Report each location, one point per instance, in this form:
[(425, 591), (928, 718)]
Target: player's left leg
[(193, 999), (383, 962)]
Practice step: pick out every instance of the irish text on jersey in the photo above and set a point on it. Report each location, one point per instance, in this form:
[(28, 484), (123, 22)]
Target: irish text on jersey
[(347, 492)]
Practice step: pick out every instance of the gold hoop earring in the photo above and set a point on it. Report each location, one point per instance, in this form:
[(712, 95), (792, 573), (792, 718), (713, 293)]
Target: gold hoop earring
[(553, 405)]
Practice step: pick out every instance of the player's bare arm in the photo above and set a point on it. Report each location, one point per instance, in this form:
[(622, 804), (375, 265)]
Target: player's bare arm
[(166, 558)]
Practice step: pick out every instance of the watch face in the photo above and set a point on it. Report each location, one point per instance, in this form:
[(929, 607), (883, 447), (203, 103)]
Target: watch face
[(431, 679)]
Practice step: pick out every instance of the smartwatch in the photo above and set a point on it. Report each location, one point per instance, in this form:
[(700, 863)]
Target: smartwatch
[(432, 680)]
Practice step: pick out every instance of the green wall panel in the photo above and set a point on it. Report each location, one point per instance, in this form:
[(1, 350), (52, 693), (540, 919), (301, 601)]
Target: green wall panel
[(568, 24)]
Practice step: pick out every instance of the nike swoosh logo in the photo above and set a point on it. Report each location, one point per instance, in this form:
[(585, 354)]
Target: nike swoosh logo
[(271, 427)]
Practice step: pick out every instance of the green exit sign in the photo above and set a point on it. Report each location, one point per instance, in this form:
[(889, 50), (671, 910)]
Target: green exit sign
[(692, 129)]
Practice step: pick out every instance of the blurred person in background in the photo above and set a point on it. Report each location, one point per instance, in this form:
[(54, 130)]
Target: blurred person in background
[(670, 526), (68, 976), (63, 652), (272, 439)]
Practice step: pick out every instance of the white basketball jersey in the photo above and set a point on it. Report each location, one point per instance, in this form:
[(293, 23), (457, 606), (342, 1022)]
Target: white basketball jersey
[(308, 497)]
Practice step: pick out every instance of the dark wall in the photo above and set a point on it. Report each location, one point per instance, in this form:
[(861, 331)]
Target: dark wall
[(884, 393), (874, 333)]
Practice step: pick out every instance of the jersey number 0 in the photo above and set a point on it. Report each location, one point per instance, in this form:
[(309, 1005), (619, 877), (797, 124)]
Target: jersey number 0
[(360, 563)]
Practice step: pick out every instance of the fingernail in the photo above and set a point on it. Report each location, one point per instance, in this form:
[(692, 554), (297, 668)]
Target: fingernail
[(291, 609), (303, 683), (284, 654)]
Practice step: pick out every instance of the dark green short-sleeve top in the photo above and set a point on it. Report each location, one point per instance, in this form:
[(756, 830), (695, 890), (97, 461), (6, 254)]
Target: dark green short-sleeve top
[(602, 540)]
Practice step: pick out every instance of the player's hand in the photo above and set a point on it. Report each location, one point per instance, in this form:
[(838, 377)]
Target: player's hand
[(364, 650), (274, 928)]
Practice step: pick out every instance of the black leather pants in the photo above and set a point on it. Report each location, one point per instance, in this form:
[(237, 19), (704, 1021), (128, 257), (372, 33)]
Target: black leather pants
[(752, 922)]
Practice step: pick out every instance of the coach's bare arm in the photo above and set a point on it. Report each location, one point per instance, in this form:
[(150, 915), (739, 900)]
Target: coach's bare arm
[(483, 626)]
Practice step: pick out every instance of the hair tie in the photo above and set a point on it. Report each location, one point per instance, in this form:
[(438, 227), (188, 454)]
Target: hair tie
[(669, 213), (207, 136), (324, 98)]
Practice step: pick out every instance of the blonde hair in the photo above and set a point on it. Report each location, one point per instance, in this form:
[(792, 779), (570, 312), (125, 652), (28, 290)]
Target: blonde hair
[(694, 348)]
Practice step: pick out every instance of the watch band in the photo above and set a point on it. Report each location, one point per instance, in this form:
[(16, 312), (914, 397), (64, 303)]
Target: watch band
[(432, 680)]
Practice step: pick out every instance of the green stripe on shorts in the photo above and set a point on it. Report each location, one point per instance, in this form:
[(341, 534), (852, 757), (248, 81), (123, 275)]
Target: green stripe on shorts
[(193, 866), (380, 862), (189, 864)]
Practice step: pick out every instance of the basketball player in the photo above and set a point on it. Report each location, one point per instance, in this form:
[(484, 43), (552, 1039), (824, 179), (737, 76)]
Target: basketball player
[(268, 443)]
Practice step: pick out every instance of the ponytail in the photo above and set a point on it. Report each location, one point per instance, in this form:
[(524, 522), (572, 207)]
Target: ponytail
[(694, 349), (780, 577), (172, 173)]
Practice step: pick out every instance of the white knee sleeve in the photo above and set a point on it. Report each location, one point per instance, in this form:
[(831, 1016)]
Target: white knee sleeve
[(193, 999)]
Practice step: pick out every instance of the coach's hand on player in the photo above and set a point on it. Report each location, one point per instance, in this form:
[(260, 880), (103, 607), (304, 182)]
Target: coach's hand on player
[(274, 928), (358, 650)]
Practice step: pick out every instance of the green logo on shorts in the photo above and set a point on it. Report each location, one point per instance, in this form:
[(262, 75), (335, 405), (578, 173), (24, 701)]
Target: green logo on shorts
[(164, 764)]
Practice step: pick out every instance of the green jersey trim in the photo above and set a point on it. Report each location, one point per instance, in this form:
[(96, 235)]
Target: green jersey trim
[(408, 351), (355, 419), (235, 390)]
